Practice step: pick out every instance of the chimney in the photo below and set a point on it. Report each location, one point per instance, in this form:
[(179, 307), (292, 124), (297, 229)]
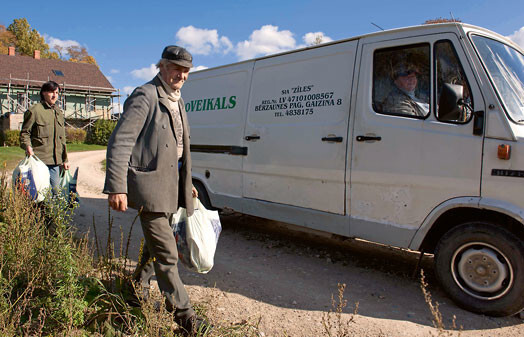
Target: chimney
[(11, 51), (36, 54)]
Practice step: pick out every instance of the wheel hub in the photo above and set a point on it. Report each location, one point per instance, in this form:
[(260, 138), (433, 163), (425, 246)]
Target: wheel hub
[(482, 270)]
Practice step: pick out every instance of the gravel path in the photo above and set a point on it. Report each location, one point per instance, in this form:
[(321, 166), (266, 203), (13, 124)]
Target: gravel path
[(266, 270)]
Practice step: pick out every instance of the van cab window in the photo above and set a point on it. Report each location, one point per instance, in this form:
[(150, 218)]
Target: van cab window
[(450, 75), (401, 83)]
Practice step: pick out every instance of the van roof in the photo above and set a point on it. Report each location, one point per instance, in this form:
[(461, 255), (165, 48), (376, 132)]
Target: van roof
[(463, 27)]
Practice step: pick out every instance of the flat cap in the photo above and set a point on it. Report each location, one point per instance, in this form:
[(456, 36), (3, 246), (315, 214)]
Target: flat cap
[(405, 69), (178, 55)]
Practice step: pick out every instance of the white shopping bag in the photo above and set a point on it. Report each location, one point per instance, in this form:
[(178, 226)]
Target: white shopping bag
[(196, 237), (32, 176)]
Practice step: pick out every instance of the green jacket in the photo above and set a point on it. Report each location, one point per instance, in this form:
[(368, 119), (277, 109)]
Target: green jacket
[(44, 130)]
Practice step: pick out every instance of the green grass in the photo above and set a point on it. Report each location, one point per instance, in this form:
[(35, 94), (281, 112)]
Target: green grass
[(10, 156), (84, 147)]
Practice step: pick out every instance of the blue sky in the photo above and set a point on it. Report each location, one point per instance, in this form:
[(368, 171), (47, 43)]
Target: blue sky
[(127, 37)]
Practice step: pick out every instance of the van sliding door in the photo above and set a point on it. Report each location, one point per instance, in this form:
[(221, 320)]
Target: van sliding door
[(296, 128)]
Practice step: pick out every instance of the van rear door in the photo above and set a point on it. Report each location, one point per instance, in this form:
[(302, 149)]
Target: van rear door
[(296, 128)]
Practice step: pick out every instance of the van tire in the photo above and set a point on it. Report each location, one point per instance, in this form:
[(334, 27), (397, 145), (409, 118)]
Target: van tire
[(202, 194), (481, 267)]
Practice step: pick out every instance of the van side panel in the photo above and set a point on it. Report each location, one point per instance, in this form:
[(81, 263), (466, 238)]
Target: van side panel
[(216, 102), (299, 113)]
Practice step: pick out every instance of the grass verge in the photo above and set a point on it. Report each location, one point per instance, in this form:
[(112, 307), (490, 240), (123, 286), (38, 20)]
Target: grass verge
[(10, 156)]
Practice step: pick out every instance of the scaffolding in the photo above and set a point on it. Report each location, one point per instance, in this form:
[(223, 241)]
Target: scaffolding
[(32, 87)]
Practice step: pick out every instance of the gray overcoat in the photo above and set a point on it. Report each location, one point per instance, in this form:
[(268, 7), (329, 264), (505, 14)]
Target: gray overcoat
[(141, 155)]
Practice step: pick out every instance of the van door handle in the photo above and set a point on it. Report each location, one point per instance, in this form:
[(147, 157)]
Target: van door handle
[(333, 139), (367, 138), (252, 137)]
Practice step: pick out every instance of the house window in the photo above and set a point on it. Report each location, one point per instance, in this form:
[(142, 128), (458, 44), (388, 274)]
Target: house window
[(58, 72)]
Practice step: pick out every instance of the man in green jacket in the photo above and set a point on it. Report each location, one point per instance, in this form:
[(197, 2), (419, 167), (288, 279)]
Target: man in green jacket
[(43, 133)]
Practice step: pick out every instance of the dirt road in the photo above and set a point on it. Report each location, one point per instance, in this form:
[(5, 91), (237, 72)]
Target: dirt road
[(263, 269)]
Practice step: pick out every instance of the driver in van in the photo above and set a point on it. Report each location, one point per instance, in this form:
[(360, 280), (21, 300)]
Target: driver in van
[(402, 99)]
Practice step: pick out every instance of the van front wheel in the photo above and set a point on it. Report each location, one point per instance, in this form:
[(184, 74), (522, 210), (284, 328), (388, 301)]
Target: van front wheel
[(481, 267)]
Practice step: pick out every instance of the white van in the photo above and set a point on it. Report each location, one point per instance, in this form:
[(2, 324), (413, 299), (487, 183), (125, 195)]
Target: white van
[(411, 137)]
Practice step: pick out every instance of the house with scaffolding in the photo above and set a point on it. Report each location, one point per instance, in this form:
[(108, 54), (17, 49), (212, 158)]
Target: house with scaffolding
[(85, 93)]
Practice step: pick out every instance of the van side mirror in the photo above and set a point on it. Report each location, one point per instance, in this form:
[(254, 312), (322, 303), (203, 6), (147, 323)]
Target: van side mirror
[(449, 108), (452, 107)]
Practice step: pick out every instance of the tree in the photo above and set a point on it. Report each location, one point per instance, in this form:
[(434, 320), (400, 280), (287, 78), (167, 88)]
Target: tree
[(79, 54), (60, 50), (28, 40), (318, 40), (7, 39)]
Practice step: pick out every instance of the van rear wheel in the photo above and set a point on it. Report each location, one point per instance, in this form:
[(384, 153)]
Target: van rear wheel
[(481, 267)]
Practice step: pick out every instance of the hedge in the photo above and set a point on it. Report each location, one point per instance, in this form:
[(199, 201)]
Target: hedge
[(100, 132), (75, 136), (10, 137)]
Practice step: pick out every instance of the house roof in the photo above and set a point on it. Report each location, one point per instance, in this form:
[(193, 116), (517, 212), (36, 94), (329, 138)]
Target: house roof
[(76, 76)]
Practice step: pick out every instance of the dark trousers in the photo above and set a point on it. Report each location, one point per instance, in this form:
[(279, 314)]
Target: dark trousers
[(161, 246)]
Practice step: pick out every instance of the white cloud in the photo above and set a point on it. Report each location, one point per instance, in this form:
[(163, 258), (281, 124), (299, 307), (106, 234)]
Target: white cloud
[(127, 90), (53, 41), (311, 38), (146, 73), (203, 41), (114, 71), (198, 68), (518, 37), (264, 41), (117, 108)]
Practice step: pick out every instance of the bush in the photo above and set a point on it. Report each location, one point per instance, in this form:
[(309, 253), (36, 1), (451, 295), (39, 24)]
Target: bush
[(100, 132), (75, 136), (10, 137), (41, 288)]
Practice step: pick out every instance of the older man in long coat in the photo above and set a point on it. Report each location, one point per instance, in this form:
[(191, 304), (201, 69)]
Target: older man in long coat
[(149, 168)]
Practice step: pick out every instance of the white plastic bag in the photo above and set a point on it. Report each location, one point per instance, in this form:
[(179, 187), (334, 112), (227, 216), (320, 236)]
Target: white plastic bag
[(32, 175), (68, 186), (196, 237)]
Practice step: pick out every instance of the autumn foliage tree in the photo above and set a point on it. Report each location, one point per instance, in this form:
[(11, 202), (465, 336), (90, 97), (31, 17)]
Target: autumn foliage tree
[(27, 40), (7, 39), (79, 54)]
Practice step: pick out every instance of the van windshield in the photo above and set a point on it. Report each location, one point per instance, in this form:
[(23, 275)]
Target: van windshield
[(505, 65)]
